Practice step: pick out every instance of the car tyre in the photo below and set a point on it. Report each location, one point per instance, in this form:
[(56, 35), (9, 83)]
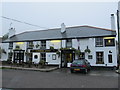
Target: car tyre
[(72, 71)]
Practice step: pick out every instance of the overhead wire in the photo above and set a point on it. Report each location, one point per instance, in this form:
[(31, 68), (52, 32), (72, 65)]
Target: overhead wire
[(23, 22)]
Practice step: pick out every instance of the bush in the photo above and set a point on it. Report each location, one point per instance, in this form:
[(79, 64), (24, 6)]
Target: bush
[(42, 63), (51, 47), (9, 61), (29, 63)]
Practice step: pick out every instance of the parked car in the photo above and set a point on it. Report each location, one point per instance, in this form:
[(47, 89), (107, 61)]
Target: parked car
[(80, 65)]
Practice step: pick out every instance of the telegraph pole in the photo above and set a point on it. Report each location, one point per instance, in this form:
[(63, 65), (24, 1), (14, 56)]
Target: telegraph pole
[(118, 27)]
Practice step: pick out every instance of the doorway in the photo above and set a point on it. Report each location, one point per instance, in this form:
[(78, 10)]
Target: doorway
[(66, 57), (18, 56)]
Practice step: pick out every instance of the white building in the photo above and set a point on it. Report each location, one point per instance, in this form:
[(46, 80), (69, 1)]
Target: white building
[(58, 46)]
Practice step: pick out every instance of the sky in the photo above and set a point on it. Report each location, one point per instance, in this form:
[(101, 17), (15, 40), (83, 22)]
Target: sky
[(52, 14)]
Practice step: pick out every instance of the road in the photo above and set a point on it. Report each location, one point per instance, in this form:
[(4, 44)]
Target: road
[(61, 78)]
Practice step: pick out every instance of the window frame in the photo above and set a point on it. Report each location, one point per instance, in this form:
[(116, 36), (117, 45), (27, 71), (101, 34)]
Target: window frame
[(30, 43), (100, 41), (68, 43), (43, 57), (11, 45), (43, 44), (106, 40), (110, 61), (90, 56), (98, 61), (53, 56)]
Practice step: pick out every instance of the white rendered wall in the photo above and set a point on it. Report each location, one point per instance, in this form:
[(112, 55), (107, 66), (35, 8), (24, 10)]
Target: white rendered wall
[(56, 45), (90, 42), (36, 61), (51, 61), (63, 44)]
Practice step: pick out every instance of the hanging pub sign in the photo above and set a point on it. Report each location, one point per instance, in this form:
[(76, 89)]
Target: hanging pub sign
[(46, 50)]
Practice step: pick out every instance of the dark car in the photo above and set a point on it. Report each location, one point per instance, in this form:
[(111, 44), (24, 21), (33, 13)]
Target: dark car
[(80, 65)]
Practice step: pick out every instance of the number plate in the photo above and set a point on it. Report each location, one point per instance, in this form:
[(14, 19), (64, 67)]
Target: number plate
[(77, 69)]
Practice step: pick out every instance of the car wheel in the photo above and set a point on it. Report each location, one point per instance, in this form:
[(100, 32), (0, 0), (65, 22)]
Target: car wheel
[(86, 71)]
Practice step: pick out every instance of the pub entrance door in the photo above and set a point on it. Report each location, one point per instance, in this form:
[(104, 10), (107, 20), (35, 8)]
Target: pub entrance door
[(66, 57)]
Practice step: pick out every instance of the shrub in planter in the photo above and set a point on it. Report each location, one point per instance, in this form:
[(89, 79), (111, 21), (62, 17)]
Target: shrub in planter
[(29, 63), (37, 45), (2, 51), (51, 47), (4, 62), (9, 61), (42, 63), (58, 53), (77, 52), (87, 50)]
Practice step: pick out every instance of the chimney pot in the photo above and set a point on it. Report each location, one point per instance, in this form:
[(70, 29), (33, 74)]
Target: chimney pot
[(63, 30), (112, 22)]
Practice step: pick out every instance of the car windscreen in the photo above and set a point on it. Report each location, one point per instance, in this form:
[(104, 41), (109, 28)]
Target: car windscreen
[(78, 62)]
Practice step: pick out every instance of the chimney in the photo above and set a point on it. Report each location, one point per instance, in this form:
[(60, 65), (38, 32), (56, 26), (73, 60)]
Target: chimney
[(112, 22), (63, 30), (11, 32)]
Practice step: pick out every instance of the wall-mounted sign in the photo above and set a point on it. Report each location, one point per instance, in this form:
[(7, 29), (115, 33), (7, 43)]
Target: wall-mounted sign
[(19, 42), (46, 50)]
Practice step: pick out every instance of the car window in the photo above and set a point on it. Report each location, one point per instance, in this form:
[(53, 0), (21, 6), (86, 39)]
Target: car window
[(78, 62)]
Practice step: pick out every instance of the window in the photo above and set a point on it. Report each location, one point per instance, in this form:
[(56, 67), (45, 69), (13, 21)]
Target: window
[(43, 56), (82, 56), (90, 56), (10, 55), (99, 42), (30, 44), (36, 57), (43, 44), (10, 45), (53, 57), (69, 43), (109, 42), (99, 58), (110, 58)]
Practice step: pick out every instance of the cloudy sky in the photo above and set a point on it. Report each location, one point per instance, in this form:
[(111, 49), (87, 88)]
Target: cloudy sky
[(51, 14)]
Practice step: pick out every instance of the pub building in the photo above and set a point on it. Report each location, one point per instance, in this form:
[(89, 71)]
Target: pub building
[(60, 46)]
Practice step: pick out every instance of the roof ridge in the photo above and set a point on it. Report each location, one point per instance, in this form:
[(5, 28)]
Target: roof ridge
[(98, 28)]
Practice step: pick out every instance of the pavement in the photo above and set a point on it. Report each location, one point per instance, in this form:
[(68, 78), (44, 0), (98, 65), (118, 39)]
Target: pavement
[(48, 69)]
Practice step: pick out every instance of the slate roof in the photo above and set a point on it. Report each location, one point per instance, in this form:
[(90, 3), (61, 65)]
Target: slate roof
[(71, 32)]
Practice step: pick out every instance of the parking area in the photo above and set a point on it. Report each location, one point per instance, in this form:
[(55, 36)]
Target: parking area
[(60, 78), (93, 72)]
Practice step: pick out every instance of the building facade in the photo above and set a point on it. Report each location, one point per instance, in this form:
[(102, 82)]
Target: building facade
[(60, 46)]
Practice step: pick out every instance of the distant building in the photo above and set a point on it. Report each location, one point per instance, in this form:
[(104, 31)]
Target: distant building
[(58, 46)]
